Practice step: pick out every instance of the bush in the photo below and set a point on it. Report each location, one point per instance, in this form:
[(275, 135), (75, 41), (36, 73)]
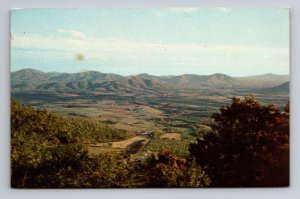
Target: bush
[(249, 146), (168, 170)]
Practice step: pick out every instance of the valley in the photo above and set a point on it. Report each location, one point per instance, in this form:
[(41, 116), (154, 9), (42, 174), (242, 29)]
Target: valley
[(162, 106)]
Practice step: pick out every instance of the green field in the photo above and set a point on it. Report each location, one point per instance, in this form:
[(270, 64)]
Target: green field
[(179, 147)]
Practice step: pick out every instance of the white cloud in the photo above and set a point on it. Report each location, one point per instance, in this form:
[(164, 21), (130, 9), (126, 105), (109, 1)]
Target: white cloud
[(154, 54), (72, 33), (117, 45)]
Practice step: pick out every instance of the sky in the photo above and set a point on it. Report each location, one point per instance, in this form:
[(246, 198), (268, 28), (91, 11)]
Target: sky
[(157, 41)]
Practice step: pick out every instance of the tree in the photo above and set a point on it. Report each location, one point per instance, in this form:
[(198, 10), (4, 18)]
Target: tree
[(167, 170), (47, 151), (249, 145)]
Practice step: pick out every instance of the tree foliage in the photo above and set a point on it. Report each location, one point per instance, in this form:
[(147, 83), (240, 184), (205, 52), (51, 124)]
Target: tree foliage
[(47, 150), (249, 145), (168, 170)]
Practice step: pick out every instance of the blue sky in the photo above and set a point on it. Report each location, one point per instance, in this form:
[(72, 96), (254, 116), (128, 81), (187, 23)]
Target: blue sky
[(158, 41)]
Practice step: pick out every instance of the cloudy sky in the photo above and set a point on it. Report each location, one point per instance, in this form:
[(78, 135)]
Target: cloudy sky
[(160, 41)]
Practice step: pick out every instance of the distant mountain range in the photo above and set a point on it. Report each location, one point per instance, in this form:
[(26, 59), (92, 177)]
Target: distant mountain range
[(280, 89), (31, 76), (27, 80)]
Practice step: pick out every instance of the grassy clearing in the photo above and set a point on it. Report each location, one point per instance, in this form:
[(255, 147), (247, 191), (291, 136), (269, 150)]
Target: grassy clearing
[(179, 147), (176, 136), (126, 116), (125, 143), (129, 146)]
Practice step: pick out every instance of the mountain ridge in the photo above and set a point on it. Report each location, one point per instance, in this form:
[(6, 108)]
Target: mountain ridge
[(35, 80), (146, 74)]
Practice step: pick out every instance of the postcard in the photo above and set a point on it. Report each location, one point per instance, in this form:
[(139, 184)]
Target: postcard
[(180, 97)]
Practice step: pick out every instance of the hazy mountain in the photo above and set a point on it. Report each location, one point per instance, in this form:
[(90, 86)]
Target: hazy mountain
[(85, 76), (199, 79), (127, 84), (275, 90), (262, 81), (29, 76), (30, 79)]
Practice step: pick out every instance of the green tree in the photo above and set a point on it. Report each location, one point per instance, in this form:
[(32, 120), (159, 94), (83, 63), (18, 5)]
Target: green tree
[(47, 151), (249, 145)]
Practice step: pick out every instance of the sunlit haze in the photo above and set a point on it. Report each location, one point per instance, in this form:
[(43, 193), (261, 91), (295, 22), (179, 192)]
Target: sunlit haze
[(164, 41)]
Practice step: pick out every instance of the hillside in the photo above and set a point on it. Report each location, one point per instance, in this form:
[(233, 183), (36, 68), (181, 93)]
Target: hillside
[(263, 81), (30, 79), (46, 123), (279, 90)]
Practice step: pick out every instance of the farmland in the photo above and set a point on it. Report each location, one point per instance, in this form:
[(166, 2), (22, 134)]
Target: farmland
[(178, 147), (176, 109)]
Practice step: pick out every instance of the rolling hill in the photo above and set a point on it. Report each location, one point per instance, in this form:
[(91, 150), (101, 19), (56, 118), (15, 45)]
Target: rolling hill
[(262, 81), (282, 89), (28, 81), (133, 102)]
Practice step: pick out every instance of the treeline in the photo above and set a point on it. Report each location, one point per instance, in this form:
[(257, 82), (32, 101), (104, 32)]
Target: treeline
[(49, 151), (248, 146)]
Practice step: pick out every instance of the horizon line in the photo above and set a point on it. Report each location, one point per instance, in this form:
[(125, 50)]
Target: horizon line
[(270, 73)]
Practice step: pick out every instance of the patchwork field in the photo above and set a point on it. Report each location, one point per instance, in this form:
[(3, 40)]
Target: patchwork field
[(141, 145), (166, 112)]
